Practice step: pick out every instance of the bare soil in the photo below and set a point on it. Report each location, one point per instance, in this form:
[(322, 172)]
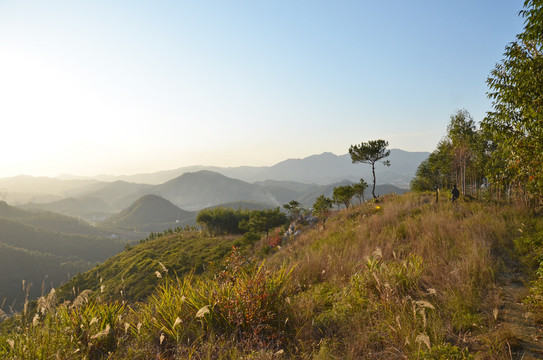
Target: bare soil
[(522, 335)]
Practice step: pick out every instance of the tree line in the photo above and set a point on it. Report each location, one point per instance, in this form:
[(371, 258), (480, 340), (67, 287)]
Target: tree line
[(504, 155), (222, 221)]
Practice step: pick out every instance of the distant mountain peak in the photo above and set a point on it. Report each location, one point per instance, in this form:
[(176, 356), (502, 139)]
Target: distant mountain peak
[(148, 209)]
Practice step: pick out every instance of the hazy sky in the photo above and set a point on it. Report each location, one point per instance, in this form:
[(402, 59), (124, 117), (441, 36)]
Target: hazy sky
[(122, 87)]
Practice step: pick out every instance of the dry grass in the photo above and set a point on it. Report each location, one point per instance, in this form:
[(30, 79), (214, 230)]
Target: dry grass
[(454, 273), (405, 278)]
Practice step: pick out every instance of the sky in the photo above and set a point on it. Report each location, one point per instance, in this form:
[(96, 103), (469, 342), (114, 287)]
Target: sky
[(125, 87)]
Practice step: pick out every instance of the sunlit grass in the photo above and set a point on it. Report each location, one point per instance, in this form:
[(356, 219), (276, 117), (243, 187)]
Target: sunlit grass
[(407, 278)]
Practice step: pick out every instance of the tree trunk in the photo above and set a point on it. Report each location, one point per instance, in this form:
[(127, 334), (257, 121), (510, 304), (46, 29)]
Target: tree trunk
[(373, 173)]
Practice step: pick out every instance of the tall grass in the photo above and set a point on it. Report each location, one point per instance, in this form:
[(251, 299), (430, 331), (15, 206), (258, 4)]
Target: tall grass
[(405, 278), (408, 277)]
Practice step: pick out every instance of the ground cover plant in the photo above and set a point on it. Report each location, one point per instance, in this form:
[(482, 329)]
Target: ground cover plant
[(402, 278)]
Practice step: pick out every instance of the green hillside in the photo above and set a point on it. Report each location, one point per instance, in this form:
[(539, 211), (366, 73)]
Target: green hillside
[(151, 210), (44, 250), (244, 205), (134, 270), (49, 220), (39, 271), (32, 238)]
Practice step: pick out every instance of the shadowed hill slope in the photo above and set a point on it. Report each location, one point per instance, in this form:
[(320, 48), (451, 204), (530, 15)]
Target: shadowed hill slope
[(148, 210), (32, 253), (134, 271), (203, 189)]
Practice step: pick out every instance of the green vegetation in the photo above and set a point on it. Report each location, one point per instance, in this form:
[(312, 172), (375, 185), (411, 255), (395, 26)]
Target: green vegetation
[(133, 274), (359, 189), (321, 208), (515, 125), (49, 221), (461, 158), (343, 195), (264, 220), (221, 221), (295, 210)]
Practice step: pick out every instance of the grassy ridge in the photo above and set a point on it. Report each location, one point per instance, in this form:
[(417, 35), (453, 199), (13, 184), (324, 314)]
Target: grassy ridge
[(132, 274), (405, 278)]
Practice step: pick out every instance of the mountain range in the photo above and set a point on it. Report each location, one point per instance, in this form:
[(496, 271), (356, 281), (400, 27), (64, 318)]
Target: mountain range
[(322, 169), (120, 191), (48, 237), (122, 203)]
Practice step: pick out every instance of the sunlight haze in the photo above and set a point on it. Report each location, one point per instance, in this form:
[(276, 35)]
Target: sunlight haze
[(123, 87)]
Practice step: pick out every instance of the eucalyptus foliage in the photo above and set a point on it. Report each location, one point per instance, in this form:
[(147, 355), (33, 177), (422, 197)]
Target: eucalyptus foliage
[(516, 121)]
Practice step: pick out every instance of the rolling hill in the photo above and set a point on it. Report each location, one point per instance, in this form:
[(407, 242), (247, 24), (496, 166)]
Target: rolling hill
[(202, 189), (88, 248), (88, 207), (134, 270), (49, 220), (151, 213), (39, 271)]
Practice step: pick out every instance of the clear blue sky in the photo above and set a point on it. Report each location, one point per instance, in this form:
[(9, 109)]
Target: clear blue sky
[(122, 87)]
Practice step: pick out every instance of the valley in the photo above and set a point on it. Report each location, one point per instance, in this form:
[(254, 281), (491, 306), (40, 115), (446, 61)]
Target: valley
[(59, 227)]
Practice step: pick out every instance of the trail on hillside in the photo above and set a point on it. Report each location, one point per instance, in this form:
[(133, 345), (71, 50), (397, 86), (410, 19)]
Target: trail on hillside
[(514, 316)]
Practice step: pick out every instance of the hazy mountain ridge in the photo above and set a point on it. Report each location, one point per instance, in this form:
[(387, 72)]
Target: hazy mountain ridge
[(152, 212), (293, 179), (321, 169), (86, 206), (55, 246), (49, 220), (202, 189)]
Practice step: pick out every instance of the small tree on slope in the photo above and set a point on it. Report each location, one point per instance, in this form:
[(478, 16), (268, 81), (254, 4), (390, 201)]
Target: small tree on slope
[(370, 153)]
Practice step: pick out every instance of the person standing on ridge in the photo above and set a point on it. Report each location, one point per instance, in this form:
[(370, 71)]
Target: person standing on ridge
[(455, 193)]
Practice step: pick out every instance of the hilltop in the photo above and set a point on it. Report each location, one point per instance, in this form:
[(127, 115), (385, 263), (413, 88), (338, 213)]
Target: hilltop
[(404, 278), (151, 213)]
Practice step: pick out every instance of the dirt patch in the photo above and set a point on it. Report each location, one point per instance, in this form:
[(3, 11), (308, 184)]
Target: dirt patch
[(518, 332)]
